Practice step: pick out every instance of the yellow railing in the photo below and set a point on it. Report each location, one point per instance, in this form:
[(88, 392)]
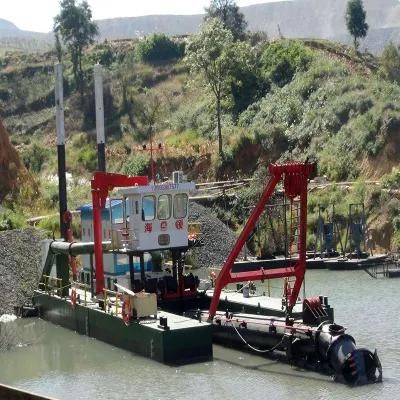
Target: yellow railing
[(47, 284), (84, 286), (118, 297)]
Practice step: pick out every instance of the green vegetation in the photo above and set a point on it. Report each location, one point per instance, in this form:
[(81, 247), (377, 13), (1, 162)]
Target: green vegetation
[(10, 219), (390, 63), (391, 180), (226, 110)]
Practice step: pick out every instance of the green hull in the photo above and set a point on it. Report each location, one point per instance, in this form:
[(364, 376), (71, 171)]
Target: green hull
[(186, 341)]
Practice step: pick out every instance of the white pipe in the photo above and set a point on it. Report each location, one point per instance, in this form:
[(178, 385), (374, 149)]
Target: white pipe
[(98, 89), (59, 96)]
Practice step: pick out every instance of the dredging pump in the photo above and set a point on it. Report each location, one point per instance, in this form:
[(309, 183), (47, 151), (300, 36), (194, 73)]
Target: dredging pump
[(313, 342)]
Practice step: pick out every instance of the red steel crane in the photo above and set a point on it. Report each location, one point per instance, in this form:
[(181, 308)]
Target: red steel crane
[(102, 183), (295, 177)]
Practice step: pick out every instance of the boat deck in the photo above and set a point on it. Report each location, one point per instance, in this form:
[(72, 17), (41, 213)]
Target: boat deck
[(174, 321), (258, 304), (346, 264)]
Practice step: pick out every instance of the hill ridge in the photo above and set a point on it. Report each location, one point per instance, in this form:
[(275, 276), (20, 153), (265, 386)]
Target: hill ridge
[(322, 19)]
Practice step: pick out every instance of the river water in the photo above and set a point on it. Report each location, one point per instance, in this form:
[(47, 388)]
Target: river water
[(53, 361)]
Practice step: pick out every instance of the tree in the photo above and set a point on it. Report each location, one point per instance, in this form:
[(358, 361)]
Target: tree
[(247, 81), (390, 63), (210, 53), (148, 109), (356, 21), (228, 13), (75, 25)]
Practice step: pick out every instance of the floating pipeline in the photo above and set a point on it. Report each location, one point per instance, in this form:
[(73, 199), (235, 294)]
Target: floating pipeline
[(325, 348)]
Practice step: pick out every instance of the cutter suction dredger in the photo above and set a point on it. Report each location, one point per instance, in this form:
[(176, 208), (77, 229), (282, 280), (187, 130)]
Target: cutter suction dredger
[(312, 340)]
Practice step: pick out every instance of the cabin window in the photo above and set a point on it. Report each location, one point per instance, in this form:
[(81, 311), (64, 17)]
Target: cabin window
[(148, 208), (180, 205), (164, 206)]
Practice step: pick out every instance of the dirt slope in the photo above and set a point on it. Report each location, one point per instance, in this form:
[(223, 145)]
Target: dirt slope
[(12, 169)]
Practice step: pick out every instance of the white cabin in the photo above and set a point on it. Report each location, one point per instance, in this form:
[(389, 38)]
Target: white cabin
[(155, 217)]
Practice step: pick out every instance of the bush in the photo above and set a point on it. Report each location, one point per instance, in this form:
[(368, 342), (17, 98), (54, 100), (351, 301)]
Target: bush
[(391, 180), (158, 48), (50, 225), (11, 220), (186, 139), (390, 63), (281, 60), (136, 165), (50, 194), (194, 116), (223, 164), (35, 156), (102, 54), (87, 156), (337, 162)]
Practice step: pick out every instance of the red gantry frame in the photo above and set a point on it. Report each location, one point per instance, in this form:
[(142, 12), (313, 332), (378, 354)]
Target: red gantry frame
[(295, 178), (102, 183)]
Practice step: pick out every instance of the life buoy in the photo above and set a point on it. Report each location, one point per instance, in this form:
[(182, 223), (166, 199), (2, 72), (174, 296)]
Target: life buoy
[(73, 296), (126, 312), (125, 233)]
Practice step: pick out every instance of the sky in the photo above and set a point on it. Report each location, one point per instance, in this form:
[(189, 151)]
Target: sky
[(37, 15)]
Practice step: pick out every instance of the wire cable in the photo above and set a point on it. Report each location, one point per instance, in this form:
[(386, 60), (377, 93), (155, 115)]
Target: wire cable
[(252, 347)]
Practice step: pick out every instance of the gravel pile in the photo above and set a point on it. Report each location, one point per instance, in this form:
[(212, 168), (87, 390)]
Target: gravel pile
[(217, 238), (20, 263)]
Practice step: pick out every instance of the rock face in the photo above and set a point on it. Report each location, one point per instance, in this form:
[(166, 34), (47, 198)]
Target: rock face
[(12, 169), (20, 262)]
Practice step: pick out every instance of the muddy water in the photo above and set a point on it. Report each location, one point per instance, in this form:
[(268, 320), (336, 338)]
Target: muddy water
[(47, 359)]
